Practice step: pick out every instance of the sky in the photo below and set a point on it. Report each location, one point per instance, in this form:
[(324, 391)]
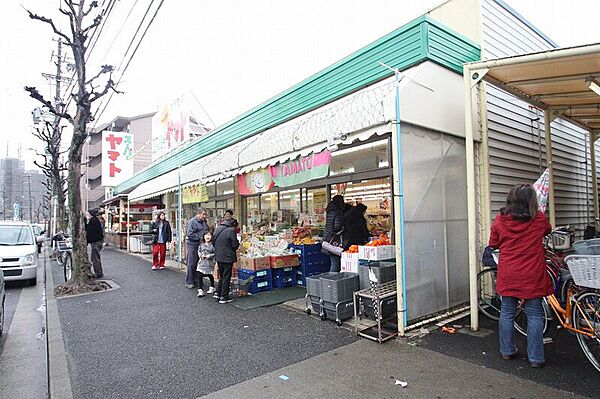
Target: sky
[(232, 54)]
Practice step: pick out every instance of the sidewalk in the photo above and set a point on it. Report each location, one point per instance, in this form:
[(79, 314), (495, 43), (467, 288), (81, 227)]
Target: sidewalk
[(154, 338)]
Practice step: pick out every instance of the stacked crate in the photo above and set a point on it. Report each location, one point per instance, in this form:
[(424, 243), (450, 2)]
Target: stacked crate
[(285, 277), (256, 281), (312, 261)]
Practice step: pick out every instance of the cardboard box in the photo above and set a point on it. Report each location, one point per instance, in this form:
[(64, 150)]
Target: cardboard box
[(349, 262), (383, 252), (255, 264), (284, 261)]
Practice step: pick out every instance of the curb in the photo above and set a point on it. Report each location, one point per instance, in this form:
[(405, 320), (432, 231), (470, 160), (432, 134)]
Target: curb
[(59, 381)]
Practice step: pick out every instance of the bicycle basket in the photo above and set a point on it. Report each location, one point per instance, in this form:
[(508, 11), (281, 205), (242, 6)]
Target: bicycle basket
[(587, 247), (585, 270)]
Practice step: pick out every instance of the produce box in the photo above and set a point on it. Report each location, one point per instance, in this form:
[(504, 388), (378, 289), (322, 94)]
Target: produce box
[(284, 261), (261, 263), (349, 262), (383, 252)]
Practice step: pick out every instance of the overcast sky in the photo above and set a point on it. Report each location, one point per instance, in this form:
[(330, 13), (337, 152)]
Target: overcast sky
[(232, 54)]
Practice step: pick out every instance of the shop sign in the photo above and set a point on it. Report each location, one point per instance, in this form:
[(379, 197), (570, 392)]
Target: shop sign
[(170, 127), (194, 194), (258, 181), (301, 170), (117, 157)]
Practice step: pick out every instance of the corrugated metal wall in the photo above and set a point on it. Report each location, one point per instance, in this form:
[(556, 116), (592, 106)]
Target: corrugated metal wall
[(513, 127)]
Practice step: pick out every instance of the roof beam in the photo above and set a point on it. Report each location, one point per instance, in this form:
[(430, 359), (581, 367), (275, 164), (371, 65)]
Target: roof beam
[(553, 79), (577, 94)]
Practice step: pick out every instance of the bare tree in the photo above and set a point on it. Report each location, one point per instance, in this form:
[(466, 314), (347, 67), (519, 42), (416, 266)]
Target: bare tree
[(83, 17), (52, 167)]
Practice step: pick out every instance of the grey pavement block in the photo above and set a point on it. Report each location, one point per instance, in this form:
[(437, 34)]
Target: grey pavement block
[(368, 370)]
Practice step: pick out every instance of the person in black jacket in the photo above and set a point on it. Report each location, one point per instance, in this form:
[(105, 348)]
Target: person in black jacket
[(226, 244), (356, 231), (196, 228), (334, 223), (95, 237), (161, 229)]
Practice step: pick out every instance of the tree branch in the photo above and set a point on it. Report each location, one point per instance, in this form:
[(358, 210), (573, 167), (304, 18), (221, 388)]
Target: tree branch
[(96, 22), (51, 23), (110, 85), (93, 5), (104, 69), (35, 94)]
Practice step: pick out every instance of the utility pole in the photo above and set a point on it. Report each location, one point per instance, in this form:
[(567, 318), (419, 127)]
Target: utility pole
[(28, 177)]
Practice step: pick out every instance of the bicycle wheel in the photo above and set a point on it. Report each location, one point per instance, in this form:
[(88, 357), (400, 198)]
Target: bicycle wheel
[(521, 318), (68, 267), (488, 300), (586, 317)]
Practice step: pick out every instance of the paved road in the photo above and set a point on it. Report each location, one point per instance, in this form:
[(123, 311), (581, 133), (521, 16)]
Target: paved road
[(154, 338), (23, 371)]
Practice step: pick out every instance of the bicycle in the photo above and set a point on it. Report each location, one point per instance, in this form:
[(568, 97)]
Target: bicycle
[(64, 258), (489, 301), (581, 313)]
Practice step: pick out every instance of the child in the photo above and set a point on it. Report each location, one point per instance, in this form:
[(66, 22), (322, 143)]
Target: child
[(206, 264)]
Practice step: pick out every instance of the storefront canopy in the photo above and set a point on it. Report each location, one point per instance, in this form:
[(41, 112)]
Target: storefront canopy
[(565, 80), (564, 83), (162, 184)]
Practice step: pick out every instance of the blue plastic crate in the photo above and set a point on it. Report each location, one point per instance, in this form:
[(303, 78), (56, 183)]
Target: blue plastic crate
[(285, 280), (261, 280), (283, 272)]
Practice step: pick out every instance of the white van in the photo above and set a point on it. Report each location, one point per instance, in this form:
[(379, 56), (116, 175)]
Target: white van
[(18, 252)]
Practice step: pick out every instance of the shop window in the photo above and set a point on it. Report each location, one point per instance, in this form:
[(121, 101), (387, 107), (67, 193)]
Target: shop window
[(313, 207), (269, 207), (360, 158), (252, 211), (225, 187), (376, 194), (289, 207)]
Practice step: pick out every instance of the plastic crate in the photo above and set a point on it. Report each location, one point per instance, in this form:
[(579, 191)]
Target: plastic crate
[(311, 258), (284, 277), (387, 308), (384, 272), (338, 287), (345, 310), (257, 281), (315, 303)]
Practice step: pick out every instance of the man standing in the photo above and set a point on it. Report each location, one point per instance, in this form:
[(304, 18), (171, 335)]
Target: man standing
[(95, 237), (226, 244), (196, 229)]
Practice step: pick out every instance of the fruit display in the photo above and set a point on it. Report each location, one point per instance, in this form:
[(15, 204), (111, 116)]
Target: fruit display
[(353, 249), (381, 240), (305, 241)]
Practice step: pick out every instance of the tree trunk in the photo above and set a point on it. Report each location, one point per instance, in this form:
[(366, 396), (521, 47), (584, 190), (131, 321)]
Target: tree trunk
[(81, 263), (60, 198)]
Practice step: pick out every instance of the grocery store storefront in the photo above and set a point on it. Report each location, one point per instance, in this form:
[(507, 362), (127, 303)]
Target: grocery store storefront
[(279, 164)]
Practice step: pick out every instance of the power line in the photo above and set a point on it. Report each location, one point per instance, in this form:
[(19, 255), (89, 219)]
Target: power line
[(130, 58), (120, 29)]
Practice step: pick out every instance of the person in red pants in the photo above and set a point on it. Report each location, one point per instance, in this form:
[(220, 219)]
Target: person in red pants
[(162, 236)]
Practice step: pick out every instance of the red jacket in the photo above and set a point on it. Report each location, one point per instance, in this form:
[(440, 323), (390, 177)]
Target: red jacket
[(521, 267)]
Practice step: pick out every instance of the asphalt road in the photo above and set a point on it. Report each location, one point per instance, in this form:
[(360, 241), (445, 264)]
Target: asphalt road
[(154, 338), (566, 368)]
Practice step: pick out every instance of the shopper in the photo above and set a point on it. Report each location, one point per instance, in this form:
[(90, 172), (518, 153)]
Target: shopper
[(196, 229), (95, 237), (206, 265), (161, 229), (334, 224), (356, 231), (226, 244), (518, 232), (228, 215)]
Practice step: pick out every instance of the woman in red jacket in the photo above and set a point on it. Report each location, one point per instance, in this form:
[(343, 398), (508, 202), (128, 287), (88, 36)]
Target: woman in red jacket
[(518, 232)]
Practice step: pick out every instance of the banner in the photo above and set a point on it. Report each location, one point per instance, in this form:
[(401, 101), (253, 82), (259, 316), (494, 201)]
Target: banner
[(194, 194), (301, 170), (117, 157), (170, 127), (258, 181), (542, 187)]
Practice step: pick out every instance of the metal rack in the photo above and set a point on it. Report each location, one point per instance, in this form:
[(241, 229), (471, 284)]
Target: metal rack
[(384, 328)]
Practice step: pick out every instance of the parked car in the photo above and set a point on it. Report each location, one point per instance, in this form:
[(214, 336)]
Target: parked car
[(2, 297), (18, 252), (40, 236)]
